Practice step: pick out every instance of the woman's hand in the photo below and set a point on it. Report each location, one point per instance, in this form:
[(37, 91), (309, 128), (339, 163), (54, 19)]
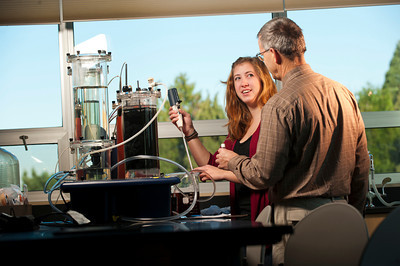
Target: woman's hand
[(208, 172), (188, 127)]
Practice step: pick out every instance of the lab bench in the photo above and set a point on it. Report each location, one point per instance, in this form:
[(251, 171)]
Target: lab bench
[(176, 242)]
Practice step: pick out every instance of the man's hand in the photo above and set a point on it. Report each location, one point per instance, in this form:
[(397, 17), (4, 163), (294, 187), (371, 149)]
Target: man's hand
[(223, 157)]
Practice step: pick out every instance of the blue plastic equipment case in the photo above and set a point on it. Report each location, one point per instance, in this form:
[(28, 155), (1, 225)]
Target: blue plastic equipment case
[(105, 200)]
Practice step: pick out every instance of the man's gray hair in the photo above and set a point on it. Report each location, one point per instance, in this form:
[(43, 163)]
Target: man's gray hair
[(284, 35)]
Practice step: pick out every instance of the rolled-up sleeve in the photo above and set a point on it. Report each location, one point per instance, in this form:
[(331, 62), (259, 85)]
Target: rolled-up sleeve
[(266, 167)]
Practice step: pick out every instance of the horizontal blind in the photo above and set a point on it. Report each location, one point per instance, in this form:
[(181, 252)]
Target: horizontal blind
[(17, 12)]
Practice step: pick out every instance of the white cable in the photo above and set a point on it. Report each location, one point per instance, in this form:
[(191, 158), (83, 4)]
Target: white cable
[(120, 75), (139, 132), (191, 167), (108, 84), (195, 185), (112, 116), (186, 148)]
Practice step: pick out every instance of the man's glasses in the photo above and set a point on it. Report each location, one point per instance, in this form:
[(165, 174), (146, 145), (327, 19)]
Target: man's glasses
[(261, 55)]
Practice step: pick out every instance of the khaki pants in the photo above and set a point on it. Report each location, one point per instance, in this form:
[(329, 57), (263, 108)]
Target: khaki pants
[(291, 212)]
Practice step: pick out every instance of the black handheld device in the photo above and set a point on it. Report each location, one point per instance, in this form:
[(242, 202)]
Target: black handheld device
[(175, 103)]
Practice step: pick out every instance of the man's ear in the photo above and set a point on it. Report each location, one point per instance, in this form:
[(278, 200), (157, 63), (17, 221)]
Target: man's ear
[(277, 56)]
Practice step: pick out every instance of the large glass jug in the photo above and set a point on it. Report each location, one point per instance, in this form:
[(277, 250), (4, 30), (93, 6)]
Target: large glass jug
[(9, 169)]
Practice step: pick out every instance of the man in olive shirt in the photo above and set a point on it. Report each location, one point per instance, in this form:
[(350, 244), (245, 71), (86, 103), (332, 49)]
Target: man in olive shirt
[(312, 148)]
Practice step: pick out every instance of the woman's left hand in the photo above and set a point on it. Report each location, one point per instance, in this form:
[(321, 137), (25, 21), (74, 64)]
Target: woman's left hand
[(209, 172)]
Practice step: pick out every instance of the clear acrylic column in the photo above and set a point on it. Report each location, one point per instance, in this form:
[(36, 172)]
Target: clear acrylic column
[(91, 127), (138, 108)]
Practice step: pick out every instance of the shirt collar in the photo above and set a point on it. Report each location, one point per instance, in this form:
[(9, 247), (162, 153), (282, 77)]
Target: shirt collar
[(299, 70)]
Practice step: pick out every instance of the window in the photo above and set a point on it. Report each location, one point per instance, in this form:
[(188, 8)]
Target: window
[(354, 46), (36, 164), (351, 45), (31, 100), (169, 149), (201, 49), (30, 77)]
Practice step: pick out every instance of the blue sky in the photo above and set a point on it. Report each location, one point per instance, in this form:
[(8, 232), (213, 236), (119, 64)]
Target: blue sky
[(351, 45)]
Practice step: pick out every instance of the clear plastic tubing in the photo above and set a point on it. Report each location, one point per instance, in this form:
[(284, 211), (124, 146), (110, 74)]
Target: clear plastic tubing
[(179, 215)]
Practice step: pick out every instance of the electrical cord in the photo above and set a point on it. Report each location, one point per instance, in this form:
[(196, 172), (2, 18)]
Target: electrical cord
[(56, 186)]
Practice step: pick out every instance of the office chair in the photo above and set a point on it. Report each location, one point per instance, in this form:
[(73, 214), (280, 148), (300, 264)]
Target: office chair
[(383, 246), (255, 254), (332, 234)]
